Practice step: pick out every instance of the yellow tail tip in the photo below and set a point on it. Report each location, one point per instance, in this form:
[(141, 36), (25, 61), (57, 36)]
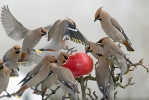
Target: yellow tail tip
[(39, 51), (14, 76), (17, 96)]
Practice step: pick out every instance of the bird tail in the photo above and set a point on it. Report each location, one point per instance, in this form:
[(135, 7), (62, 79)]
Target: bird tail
[(30, 58), (21, 91), (128, 46), (106, 89)]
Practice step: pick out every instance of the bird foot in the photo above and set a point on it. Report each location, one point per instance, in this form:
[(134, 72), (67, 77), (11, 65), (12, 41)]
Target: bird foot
[(53, 92), (8, 95), (71, 50), (37, 92), (33, 51)]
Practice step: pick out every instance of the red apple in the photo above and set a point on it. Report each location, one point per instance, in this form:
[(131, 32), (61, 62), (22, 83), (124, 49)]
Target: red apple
[(80, 64)]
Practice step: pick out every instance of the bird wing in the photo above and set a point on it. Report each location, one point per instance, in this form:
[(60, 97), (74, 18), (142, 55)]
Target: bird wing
[(119, 28), (2, 78), (13, 28), (120, 53), (72, 33), (6, 60), (53, 30), (73, 87)]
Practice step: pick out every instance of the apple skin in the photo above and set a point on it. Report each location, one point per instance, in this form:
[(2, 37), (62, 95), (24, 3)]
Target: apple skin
[(79, 63)]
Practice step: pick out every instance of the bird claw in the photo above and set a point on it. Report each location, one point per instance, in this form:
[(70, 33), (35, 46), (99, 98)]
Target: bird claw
[(53, 92), (37, 92), (33, 51), (8, 95), (72, 50)]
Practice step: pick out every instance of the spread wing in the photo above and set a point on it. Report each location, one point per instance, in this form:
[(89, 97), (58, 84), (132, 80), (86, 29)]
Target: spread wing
[(13, 28), (117, 26), (54, 29), (72, 33)]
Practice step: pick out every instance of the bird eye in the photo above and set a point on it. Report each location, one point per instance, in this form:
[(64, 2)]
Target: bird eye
[(100, 41)]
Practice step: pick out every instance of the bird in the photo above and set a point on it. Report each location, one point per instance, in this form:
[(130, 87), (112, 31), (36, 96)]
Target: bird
[(62, 58), (114, 54), (4, 77), (15, 30), (94, 49), (110, 92), (11, 58), (48, 82), (65, 79), (46, 60), (103, 75), (37, 74), (112, 28), (60, 32)]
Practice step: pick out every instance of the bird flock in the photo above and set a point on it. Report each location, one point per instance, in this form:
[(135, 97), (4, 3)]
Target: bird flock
[(49, 70)]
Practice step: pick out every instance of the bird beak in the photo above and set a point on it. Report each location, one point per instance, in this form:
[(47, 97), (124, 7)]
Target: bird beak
[(97, 19), (1, 66), (43, 34), (97, 44), (17, 51), (57, 62)]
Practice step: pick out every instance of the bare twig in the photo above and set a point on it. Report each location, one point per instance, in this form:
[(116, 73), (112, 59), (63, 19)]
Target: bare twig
[(115, 93), (89, 94), (48, 95), (96, 97), (129, 83), (52, 93), (13, 94), (141, 64)]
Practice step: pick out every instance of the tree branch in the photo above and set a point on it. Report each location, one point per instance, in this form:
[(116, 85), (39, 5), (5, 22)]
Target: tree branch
[(129, 83), (13, 94)]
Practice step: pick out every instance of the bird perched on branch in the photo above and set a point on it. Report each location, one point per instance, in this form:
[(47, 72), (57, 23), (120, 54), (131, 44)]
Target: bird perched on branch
[(94, 49), (62, 58), (65, 79), (112, 28), (15, 30), (114, 54), (37, 74), (4, 77), (60, 32), (103, 75), (11, 58)]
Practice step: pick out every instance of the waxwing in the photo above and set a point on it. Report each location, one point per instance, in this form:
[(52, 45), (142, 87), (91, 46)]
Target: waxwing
[(65, 79), (35, 79), (4, 77), (103, 75), (15, 30), (11, 58), (112, 28), (60, 32), (48, 82), (114, 54), (94, 49), (46, 60), (62, 58)]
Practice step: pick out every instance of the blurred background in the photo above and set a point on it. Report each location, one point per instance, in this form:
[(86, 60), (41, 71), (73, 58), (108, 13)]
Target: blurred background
[(131, 14)]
